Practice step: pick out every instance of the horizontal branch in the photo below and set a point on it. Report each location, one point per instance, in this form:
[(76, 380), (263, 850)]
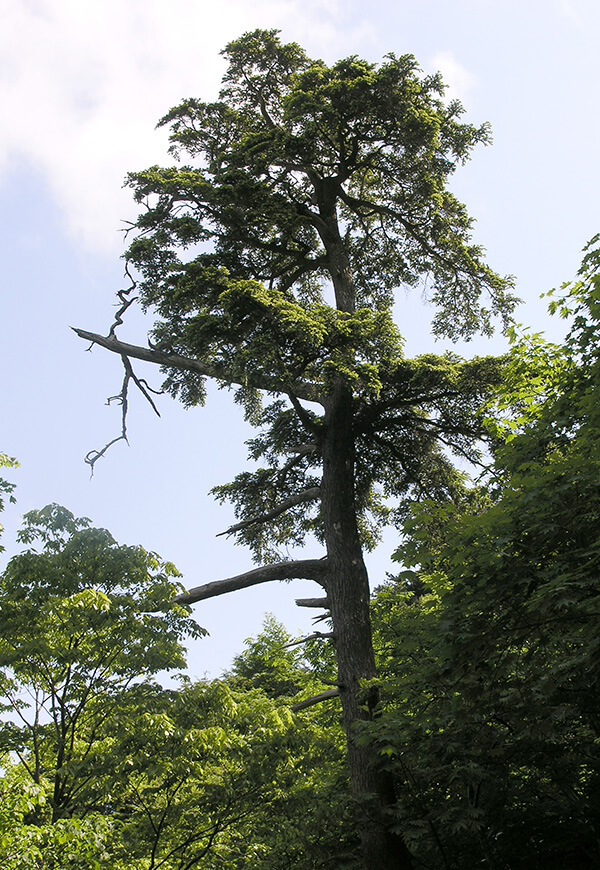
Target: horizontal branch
[(311, 494), (316, 699), (305, 569), (312, 602), (306, 391)]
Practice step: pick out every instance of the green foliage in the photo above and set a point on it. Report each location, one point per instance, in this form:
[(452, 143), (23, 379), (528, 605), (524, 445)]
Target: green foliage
[(489, 647), (195, 769), (286, 127), (310, 824), (6, 487), (299, 174), (269, 663), (110, 770), (82, 619)]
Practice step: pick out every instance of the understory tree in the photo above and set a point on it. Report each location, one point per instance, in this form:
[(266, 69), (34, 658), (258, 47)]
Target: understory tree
[(489, 644), (270, 256), (83, 621), (102, 768)]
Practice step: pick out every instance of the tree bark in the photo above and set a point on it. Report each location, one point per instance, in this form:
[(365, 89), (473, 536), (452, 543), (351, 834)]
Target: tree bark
[(307, 569), (349, 596)]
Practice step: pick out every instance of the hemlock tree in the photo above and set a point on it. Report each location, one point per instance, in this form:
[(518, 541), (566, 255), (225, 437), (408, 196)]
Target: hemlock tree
[(271, 257)]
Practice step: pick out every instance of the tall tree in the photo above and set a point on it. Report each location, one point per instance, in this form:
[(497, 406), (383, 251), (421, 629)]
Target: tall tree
[(311, 193)]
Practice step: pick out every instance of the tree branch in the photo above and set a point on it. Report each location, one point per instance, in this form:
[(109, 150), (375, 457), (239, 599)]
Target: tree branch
[(296, 459), (311, 494), (308, 392), (306, 569), (317, 635), (304, 417), (312, 602), (92, 457), (316, 699)]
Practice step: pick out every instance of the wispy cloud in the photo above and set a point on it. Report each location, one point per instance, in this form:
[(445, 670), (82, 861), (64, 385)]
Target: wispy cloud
[(570, 10), (459, 81), (82, 85)]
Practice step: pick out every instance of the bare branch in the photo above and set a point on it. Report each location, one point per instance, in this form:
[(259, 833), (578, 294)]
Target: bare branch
[(317, 635), (94, 455), (307, 391), (322, 617), (306, 569), (312, 602), (311, 494), (125, 301), (142, 385), (316, 699)]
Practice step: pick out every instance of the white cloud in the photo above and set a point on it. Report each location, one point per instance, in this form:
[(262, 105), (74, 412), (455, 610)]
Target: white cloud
[(459, 81), (569, 9), (83, 82)]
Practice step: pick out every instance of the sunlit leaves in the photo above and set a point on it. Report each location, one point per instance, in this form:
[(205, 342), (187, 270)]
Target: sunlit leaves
[(6, 487), (82, 618), (490, 646)]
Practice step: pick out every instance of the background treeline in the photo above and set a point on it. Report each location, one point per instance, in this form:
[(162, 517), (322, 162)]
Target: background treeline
[(488, 661)]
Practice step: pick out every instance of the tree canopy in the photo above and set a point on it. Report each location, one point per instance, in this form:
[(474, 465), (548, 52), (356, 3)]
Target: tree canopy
[(489, 642), (83, 621)]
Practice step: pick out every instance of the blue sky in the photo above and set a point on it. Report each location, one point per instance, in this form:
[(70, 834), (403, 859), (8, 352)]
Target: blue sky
[(82, 84)]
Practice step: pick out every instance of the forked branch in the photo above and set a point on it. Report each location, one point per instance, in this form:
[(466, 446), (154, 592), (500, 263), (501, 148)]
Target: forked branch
[(94, 455)]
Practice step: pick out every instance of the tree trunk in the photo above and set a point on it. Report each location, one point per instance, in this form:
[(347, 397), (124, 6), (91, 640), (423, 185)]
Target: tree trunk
[(349, 595)]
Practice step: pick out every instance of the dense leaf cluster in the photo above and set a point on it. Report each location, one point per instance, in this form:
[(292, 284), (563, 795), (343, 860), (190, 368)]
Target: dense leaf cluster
[(292, 139), (103, 768), (490, 645)]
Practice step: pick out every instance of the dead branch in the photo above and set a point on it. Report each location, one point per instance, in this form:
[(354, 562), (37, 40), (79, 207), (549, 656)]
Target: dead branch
[(94, 455), (316, 699), (309, 424), (321, 617), (311, 494), (312, 602), (305, 569), (317, 635), (307, 391), (126, 301)]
